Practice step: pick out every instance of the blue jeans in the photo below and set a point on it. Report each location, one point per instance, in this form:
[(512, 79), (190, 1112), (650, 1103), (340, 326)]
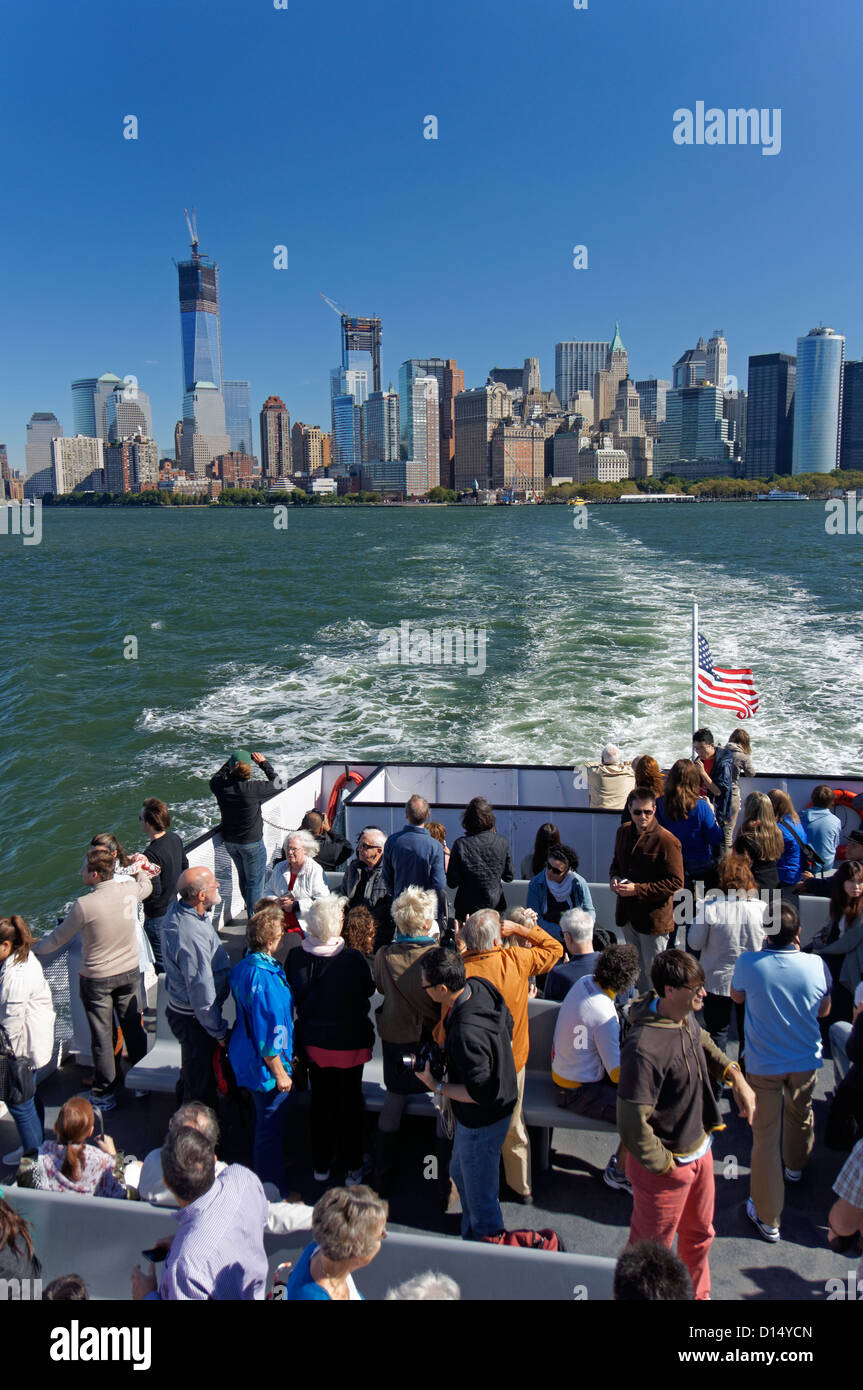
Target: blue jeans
[(251, 862), (475, 1170), (29, 1117), (271, 1115), (153, 928)]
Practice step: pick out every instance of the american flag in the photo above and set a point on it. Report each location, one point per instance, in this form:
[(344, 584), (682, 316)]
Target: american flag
[(725, 689)]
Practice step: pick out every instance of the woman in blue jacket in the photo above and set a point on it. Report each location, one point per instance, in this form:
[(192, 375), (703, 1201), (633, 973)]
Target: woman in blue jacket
[(557, 888), (262, 1043), (790, 866), (684, 812)]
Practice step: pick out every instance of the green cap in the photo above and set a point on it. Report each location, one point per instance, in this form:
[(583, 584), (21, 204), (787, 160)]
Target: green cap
[(240, 755)]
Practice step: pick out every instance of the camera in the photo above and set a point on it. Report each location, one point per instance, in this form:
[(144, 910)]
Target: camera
[(428, 1054)]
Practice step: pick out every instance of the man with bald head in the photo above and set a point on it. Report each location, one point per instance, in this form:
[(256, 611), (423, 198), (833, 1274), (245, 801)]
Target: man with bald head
[(197, 971)]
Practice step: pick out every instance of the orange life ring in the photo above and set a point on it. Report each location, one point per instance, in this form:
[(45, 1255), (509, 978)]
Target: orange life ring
[(342, 781)]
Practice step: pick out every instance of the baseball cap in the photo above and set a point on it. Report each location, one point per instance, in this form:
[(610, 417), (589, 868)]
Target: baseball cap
[(240, 755)]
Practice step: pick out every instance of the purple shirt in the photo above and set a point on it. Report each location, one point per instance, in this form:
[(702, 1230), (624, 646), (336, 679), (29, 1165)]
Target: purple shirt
[(218, 1251)]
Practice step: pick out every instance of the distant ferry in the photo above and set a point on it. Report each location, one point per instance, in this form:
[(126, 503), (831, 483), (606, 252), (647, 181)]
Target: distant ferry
[(776, 494)]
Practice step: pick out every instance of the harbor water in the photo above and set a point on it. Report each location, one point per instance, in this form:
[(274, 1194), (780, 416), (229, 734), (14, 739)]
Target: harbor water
[(140, 646)]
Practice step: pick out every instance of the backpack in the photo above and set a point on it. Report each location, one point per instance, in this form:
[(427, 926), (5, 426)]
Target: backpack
[(545, 1239)]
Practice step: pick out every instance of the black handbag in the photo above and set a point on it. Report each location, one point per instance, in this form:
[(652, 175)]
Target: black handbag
[(809, 859), (17, 1077)]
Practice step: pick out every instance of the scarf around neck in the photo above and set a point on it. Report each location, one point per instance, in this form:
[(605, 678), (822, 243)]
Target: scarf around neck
[(561, 891), (323, 948)]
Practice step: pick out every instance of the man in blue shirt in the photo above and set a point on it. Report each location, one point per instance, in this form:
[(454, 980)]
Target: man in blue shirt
[(821, 828), (218, 1250), (413, 859), (785, 994), (197, 978)]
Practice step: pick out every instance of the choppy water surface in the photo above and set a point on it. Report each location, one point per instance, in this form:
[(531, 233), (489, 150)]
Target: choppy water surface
[(270, 640)]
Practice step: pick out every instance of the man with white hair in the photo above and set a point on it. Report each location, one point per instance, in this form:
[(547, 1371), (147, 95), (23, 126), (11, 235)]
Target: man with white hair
[(610, 781), (482, 937), (576, 927), (363, 883), (297, 881)]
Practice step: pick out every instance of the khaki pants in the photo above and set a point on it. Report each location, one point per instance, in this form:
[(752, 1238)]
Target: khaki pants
[(778, 1097), (516, 1146), (648, 948)]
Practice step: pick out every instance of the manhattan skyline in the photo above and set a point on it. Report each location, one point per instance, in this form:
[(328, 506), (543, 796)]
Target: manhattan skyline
[(560, 136)]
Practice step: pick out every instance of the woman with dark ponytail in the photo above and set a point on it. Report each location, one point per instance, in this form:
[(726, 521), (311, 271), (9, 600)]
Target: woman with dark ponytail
[(73, 1165), (27, 1018)]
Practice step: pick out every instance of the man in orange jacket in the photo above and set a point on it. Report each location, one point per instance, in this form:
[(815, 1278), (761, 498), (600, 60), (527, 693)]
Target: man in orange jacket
[(481, 939)]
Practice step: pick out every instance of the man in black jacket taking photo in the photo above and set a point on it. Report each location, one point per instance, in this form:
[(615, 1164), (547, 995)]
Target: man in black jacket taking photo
[(480, 1083)]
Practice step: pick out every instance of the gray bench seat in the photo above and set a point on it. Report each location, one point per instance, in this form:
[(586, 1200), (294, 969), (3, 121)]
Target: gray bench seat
[(101, 1239)]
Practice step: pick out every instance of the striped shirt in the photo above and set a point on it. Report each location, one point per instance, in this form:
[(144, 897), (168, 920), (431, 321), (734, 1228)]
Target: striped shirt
[(218, 1251)]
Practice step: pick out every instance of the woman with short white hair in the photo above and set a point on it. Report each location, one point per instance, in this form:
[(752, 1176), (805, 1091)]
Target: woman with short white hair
[(297, 882), (331, 988)]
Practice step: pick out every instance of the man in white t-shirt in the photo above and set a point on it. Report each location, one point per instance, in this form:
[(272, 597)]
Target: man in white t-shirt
[(586, 1053)]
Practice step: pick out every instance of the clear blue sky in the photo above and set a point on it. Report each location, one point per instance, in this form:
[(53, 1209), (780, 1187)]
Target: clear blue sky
[(304, 127)]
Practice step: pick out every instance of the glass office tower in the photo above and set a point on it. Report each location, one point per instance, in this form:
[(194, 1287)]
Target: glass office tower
[(818, 401), (238, 415), (199, 322)]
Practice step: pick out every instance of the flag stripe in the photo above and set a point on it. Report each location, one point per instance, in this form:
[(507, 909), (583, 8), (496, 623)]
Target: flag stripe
[(725, 687)]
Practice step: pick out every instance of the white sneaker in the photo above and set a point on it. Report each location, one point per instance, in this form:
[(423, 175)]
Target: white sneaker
[(14, 1158), (793, 1174), (322, 1177), (354, 1177), (769, 1233)]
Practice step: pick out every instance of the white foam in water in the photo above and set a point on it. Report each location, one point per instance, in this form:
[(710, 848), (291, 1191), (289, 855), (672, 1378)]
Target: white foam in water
[(586, 643)]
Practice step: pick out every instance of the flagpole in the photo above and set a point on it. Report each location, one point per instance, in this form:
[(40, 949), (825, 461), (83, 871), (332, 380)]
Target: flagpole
[(694, 667)]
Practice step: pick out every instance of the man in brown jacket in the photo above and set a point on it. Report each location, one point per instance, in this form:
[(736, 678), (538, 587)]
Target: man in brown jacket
[(482, 937), (646, 872), (110, 974)]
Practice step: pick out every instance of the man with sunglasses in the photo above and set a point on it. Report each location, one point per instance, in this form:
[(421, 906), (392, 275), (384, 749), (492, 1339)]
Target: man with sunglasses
[(666, 1113), (363, 883), (645, 873)]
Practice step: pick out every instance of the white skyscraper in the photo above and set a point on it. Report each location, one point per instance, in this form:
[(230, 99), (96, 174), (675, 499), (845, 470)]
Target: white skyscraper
[(717, 360)]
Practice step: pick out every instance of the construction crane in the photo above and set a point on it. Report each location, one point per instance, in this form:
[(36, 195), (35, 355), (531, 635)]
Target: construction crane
[(342, 313), (192, 224)]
